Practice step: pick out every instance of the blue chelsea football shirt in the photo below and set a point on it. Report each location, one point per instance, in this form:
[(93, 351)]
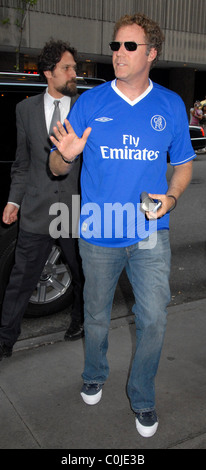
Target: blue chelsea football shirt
[(126, 153)]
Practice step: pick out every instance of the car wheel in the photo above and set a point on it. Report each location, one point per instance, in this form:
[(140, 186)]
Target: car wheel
[(53, 292)]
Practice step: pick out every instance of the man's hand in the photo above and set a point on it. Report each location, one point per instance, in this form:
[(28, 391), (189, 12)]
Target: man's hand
[(167, 204), (67, 142), (10, 214)]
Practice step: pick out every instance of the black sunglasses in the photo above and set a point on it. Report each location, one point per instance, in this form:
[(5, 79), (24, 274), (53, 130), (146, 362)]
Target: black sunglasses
[(129, 45)]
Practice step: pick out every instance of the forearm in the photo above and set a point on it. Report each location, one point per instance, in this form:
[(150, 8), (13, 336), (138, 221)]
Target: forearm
[(57, 165), (181, 178)]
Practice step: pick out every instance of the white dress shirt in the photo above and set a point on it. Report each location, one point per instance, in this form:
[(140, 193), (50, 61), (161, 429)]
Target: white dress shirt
[(64, 106)]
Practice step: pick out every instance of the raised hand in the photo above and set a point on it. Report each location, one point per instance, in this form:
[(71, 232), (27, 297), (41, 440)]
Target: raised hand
[(67, 142)]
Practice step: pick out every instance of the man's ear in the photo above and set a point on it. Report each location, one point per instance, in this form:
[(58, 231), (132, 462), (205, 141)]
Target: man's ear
[(152, 54), (47, 74)]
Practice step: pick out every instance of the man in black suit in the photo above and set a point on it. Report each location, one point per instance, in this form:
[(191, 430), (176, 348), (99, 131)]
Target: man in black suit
[(34, 189)]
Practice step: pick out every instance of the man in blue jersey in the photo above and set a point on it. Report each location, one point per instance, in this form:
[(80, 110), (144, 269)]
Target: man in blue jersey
[(125, 129)]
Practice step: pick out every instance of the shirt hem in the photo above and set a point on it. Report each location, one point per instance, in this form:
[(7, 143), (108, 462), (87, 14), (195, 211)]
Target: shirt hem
[(130, 242)]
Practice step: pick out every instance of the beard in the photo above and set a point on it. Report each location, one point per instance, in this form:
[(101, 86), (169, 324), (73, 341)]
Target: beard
[(69, 89)]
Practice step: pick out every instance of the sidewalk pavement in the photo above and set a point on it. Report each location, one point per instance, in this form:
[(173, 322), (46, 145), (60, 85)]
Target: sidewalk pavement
[(41, 406)]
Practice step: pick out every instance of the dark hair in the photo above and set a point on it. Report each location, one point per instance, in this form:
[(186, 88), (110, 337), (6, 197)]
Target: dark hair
[(153, 33), (52, 53)]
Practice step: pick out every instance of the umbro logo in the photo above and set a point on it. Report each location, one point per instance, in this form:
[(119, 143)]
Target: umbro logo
[(103, 119)]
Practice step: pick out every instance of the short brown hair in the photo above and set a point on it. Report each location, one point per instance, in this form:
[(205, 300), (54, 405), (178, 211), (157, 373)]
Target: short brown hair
[(152, 31)]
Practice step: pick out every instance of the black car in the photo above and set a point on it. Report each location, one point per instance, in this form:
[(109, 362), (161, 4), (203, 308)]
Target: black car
[(198, 137), (54, 291)]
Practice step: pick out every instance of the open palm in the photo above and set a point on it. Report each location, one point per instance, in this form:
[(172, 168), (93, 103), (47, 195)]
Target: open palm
[(67, 142)]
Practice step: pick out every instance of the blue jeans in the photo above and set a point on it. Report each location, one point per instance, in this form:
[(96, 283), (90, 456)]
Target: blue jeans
[(148, 270)]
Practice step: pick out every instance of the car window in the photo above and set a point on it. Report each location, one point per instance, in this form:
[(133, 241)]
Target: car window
[(8, 102)]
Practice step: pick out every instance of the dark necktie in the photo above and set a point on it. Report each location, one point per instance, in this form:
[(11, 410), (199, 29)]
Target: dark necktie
[(56, 117)]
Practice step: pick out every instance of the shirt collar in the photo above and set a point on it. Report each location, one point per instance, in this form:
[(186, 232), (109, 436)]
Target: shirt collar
[(139, 98), (49, 100)]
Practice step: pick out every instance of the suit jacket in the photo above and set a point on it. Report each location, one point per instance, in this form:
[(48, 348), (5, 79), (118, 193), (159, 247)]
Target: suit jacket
[(33, 186)]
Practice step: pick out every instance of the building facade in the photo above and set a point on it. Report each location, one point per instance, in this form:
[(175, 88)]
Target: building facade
[(88, 26)]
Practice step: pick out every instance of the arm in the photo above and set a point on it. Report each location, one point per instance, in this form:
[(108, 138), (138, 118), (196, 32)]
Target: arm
[(68, 145), (20, 166), (181, 178), (57, 164)]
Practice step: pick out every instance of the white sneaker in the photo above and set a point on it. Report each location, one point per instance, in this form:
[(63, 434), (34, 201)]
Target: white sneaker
[(91, 393), (146, 423)]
